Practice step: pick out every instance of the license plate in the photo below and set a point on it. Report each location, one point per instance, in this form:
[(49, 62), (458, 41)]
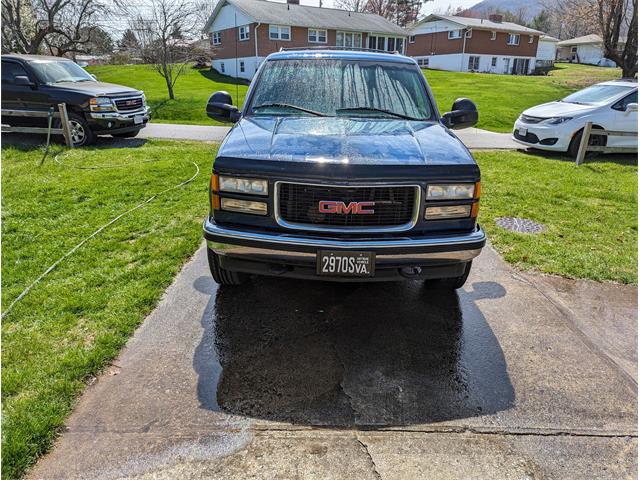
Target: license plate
[(138, 119), (346, 264), (522, 132)]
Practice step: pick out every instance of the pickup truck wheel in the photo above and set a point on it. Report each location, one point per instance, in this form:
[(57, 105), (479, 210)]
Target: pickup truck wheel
[(81, 134), (454, 283), (221, 275), (126, 135)]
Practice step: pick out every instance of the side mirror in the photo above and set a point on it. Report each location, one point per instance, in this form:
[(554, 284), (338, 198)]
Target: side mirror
[(463, 114), (23, 81), (219, 107), (632, 107)]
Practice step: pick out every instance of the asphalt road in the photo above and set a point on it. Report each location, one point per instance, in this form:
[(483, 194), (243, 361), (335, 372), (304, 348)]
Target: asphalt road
[(515, 376)]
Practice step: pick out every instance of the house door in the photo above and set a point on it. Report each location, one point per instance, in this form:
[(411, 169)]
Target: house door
[(506, 65), (520, 66)]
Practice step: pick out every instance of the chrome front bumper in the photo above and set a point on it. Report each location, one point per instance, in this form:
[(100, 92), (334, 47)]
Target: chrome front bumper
[(296, 248), (121, 116)]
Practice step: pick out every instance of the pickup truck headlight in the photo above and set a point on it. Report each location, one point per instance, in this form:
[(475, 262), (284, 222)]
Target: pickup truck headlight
[(454, 191), (250, 186), (101, 104), (452, 211), (243, 206)]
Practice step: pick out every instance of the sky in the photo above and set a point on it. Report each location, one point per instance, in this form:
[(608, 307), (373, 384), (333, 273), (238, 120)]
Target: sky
[(427, 8)]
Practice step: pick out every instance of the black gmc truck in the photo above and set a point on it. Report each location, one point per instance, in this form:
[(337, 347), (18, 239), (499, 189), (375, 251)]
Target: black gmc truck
[(36, 82), (340, 167)]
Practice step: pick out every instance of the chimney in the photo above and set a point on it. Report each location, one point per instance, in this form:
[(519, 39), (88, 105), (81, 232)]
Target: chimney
[(495, 17), (294, 2)]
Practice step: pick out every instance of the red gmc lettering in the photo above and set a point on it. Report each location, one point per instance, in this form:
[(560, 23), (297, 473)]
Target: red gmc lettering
[(355, 208)]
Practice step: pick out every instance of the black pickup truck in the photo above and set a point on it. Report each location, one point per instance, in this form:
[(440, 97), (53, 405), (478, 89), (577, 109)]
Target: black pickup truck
[(36, 82), (340, 168)]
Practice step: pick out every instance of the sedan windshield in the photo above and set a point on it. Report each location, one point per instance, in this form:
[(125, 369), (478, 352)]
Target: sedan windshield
[(338, 87), (52, 71), (598, 94)]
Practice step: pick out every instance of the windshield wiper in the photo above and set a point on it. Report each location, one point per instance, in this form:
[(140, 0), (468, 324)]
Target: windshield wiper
[(373, 109), (287, 105)]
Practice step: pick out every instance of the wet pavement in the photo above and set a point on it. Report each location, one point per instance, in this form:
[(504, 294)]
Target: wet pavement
[(514, 376)]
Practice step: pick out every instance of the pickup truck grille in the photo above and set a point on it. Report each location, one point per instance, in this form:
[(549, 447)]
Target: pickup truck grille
[(395, 206), (128, 104)]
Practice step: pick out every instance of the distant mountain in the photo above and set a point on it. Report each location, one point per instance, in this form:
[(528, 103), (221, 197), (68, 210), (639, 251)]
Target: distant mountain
[(528, 8)]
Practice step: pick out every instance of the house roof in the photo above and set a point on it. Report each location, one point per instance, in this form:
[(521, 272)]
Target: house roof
[(481, 23), (306, 16), (593, 38), (549, 38)]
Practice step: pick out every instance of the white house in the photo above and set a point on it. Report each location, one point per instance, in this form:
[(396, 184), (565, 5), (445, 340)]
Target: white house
[(587, 49), (546, 53)]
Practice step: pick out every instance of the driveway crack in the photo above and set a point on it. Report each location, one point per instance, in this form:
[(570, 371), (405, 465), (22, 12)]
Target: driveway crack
[(368, 454)]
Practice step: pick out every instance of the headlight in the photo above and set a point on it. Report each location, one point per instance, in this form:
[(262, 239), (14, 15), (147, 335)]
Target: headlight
[(557, 120), (144, 99), (453, 211), (101, 104), (251, 186), (243, 206), (457, 191)]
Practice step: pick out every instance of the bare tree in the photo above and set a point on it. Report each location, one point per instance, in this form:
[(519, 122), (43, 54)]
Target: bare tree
[(351, 5), (62, 26), (615, 17), (167, 32), (401, 12)]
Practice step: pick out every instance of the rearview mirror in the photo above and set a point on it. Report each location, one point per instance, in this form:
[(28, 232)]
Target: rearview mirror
[(23, 81), (219, 107), (463, 114), (632, 107)]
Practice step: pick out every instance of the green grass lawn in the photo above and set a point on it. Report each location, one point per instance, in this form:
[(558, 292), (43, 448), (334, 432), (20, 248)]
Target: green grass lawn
[(71, 324), (590, 213), (500, 98), (192, 90)]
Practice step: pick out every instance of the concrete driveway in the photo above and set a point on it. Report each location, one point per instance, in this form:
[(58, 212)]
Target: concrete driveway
[(515, 376)]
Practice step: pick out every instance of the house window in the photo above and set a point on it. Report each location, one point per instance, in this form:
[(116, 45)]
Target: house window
[(574, 49), (474, 64), (317, 36), (222, 67), (348, 39), (412, 39), (242, 67), (423, 62), (216, 38), (279, 32), (243, 33), (494, 61), (455, 34), (530, 38), (513, 39), (493, 35), (467, 33)]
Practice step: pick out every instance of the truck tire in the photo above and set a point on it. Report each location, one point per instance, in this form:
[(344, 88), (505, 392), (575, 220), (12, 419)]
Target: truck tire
[(126, 134), (454, 283), (81, 133), (221, 275)]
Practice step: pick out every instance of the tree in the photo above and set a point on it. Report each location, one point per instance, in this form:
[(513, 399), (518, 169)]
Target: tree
[(163, 29), (129, 42), (541, 22), (615, 17), (401, 12), (351, 5), (62, 26)]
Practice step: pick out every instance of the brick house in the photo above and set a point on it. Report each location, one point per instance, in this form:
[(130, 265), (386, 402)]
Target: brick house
[(244, 32), (464, 44)]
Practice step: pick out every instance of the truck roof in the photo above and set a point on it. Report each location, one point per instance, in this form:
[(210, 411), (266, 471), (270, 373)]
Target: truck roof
[(340, 54)]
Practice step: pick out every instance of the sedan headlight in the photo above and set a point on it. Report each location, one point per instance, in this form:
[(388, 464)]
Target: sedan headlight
[(557, 120), (251, 186), (101, 104), (455, 191)]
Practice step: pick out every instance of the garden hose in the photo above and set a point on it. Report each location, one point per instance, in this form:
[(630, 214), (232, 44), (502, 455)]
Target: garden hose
[(96, 232)]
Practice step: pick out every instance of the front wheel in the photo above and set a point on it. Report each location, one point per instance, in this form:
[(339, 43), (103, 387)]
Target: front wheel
[(81, 134), (454, 283), (594, 140), (221, 275)]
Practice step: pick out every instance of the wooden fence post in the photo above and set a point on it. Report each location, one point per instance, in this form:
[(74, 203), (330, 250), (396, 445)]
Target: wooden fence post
[(66, 128), (584, 143)]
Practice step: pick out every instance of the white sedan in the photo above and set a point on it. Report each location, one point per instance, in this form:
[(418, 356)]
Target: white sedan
[(557, 126)]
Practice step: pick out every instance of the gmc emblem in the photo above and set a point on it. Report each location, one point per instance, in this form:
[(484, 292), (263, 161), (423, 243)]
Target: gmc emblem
[(354, 208), (129, 103)]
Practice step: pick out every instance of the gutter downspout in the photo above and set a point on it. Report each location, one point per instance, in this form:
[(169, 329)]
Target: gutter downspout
[(464, 44), (255, 39)]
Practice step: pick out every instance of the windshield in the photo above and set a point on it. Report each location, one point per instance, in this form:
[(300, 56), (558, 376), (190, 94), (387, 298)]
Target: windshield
[(52, 71), (330, 87), (598, 94)]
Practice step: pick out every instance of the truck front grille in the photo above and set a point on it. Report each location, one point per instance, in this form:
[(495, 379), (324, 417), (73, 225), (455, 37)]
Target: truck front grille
[(395, 207), (128, 104)]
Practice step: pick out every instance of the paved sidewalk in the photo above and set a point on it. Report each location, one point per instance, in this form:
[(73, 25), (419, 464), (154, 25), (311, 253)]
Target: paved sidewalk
[(473, 138)]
